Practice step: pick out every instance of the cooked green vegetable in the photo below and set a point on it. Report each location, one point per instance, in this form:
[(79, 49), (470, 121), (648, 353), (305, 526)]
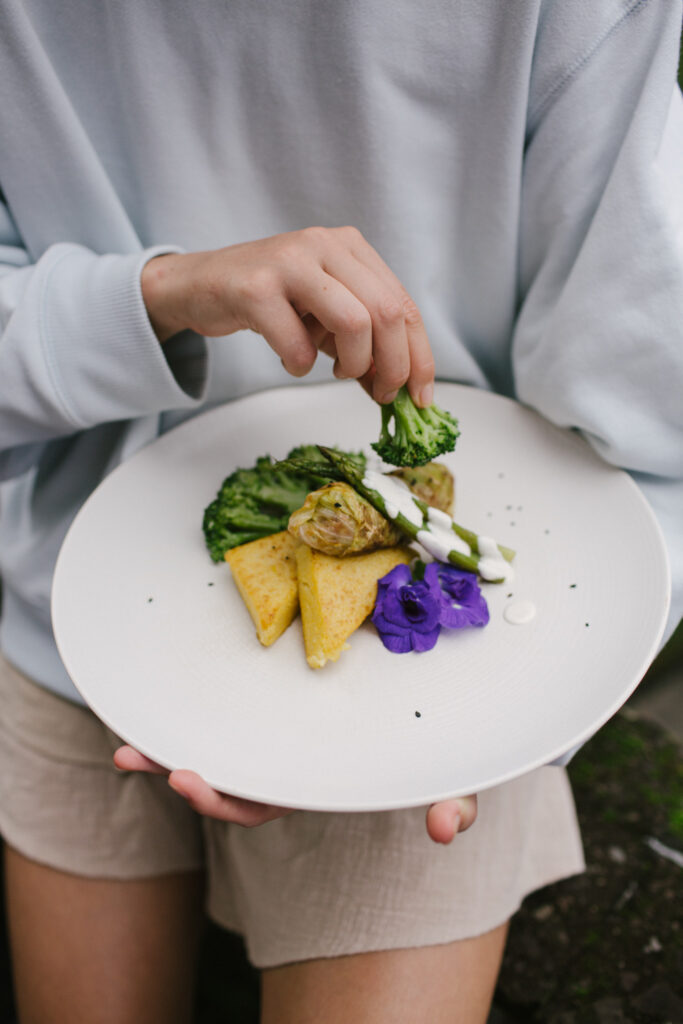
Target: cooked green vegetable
[(419, 530), (258, 501), (420, 435), (336, 520), (433, 483)]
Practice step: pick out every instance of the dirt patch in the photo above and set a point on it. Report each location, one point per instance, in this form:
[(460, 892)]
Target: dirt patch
[(607, 947)]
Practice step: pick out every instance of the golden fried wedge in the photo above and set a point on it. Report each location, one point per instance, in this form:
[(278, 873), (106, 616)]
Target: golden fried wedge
[(265, 574), (337, 594)]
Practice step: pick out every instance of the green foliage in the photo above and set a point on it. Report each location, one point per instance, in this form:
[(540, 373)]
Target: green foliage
[(420, 435), (676, 821)]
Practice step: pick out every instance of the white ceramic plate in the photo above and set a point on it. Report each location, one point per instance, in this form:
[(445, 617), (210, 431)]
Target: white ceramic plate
[(158, 641)]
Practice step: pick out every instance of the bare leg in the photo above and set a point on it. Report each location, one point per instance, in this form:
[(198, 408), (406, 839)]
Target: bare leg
[(447, 984), (102, 952)]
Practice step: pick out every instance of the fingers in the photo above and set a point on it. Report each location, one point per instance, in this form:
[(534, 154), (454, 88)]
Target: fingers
[(205, 800), (200, 796), (316, 289), (421, 378), (381, 300), (348, 302), (447, 818), (130, 760), (285, 332), (419, 365), (343, 315)]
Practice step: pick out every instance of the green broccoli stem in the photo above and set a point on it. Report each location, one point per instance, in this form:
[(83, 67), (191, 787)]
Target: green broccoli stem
[(404, 410), (354, 477), (409, 427)]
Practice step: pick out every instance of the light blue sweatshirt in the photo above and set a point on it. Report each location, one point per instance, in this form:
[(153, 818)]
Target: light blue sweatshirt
[(516, 162)]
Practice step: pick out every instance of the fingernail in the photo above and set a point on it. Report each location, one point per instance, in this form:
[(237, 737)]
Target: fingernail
[(427, 395), (455, 821)]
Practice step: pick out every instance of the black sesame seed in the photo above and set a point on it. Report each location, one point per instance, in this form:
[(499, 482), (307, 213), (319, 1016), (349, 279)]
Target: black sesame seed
[(418, 714), (149, 600), (572, 586), (209, 584), (337, 504)]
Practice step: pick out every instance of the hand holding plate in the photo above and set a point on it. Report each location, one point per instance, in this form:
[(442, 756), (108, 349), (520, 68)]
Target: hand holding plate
[(318, 289), (200, 796)]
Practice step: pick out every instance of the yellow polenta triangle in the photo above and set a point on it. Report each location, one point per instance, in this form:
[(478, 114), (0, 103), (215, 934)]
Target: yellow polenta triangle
[(337, 594), (265, 574)]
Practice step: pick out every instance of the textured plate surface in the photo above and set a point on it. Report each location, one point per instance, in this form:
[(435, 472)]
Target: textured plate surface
[(158, 641)]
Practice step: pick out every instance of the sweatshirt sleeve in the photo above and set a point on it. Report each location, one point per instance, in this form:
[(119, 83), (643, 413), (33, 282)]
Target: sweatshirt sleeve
[(77, 348), (598, 344)]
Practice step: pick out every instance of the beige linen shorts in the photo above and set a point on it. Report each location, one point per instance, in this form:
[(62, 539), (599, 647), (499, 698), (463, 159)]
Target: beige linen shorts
[(305, 886)]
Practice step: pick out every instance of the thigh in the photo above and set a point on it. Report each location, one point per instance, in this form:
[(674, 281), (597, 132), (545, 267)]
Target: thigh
[(451, 983), (101, 951), (103, 877)]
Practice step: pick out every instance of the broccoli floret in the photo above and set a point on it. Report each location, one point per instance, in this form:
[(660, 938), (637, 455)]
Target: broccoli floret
[(420, 435), (258, 501)]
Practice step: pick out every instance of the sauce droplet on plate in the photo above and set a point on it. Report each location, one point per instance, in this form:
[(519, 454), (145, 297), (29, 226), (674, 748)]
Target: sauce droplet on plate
[(519, 612)]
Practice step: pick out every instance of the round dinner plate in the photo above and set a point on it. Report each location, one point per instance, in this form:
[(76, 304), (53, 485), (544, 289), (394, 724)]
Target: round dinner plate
[(160, 645)]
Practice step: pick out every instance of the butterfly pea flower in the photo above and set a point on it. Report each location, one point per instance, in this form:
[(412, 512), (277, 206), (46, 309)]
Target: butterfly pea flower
[(410, 612), (463, 603), (407, 613)]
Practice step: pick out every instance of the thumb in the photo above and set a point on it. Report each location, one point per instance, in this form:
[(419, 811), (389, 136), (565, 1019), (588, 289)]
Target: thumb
[(447, 818)]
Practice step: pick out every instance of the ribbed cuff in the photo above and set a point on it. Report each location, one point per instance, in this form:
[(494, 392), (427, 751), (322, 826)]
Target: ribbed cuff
[(104, 359)]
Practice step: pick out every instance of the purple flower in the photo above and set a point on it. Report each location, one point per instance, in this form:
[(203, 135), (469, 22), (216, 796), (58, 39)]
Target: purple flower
[(407, 612), (410, 613), (463, 602)]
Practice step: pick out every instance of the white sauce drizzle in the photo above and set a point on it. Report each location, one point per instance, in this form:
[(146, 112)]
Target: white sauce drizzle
[(438, 518), (492, 565), (396, 495), (439, 541), (441, 538), (520, 612)]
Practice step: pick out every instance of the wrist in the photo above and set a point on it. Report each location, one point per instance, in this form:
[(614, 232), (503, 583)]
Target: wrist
[(161, 283)]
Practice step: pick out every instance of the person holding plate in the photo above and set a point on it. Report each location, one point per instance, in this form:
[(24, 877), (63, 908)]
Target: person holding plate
[(174, 173)]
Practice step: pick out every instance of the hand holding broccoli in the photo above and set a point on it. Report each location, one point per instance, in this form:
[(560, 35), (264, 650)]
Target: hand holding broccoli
[(309, 291)]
